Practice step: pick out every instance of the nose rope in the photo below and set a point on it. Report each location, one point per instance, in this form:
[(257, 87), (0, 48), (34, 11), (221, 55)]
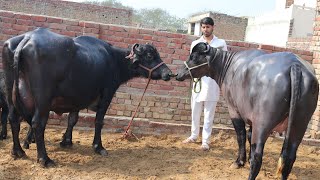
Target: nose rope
[(126, 133), (198, 80)]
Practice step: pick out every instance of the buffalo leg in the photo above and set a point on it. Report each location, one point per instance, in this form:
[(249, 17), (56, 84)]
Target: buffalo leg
[(67, 136), (290, 146), (249, 139), (14, 120), (239, 126), (29, 139), (97, 144), (103, 106), (4, 116), (258, 139), (41, 122)]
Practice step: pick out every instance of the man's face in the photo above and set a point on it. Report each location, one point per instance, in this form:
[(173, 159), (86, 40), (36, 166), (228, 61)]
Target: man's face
[(207, 30)]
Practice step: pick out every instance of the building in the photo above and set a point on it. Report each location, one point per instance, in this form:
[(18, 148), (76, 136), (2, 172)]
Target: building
[(226, 27), (291, 19)]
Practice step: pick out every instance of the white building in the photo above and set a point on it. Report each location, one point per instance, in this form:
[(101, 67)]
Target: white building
[(288, 20)]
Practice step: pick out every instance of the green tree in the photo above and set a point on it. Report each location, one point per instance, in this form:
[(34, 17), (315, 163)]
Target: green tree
[(159, 19)]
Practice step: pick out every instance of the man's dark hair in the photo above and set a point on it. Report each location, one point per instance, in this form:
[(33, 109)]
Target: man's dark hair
[(207, 20)]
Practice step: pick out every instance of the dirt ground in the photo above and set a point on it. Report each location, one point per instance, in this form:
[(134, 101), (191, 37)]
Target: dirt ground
[(153, 157)]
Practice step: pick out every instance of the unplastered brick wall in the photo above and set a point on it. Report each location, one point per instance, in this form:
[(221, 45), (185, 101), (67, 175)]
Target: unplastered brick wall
[(164, 101), (73, 10), (299, 43), (315, 47), (229, 27)]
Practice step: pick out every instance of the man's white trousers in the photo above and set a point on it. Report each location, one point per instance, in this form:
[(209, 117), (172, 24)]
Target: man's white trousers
[(208, 108)]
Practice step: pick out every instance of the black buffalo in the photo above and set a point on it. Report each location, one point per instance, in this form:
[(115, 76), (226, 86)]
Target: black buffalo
[(263, 90), (4, 108), (66, 139), (46, 71)]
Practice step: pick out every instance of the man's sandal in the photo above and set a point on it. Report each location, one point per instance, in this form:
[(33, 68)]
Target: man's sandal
[(189, 140)]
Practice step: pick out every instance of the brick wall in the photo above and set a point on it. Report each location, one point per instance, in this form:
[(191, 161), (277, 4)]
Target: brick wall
[(72, 10), (299, 43), (315, 46), (226, 26), (229, 27), (166, 102)]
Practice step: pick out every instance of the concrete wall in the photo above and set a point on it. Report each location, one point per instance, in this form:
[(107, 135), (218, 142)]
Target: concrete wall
[(303, 18), (271, 28), (72, 10), (167, 102), (306, 3), (276, 27)]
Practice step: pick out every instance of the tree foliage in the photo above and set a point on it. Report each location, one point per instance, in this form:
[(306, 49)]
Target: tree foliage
[(159, 19)]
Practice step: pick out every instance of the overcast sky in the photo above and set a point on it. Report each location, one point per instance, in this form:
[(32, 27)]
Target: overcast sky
[(184, 8)]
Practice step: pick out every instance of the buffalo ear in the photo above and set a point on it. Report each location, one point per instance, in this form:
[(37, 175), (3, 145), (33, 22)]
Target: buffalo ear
[(137, 49), (200, 47), (208, 47)]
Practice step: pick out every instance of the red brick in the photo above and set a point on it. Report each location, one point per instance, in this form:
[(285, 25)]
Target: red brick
[(58, 26), (38, 18), (159, 44), (6, 14), (181, 52), (8, 20), (121, 34), (129, 40), (116, 28), (146, 37), (68, 33), (266, 47), (104, 26), (166, 50), (19, 27), (24, 22), (136, 36), (54, 20), (41, 24), (242, 44), (5, 25), (74, 28), (146, 31), (10, 32), (22, 16), (72, 23), (88, 25)]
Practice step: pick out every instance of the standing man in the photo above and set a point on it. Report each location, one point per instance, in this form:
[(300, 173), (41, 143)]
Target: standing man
[(205, 92)]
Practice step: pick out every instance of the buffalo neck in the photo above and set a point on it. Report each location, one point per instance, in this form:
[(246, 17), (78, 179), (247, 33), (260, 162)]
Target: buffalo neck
[(220, 64), (125, 64)]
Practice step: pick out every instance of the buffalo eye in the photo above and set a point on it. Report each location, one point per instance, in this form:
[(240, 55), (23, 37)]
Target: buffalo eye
[(149, 56)]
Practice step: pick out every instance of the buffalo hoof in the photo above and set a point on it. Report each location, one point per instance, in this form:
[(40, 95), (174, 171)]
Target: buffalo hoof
[(100, 150), (3, 136), (237, 165), (26, 145), (66, 144), (17, 154), (46, 162)]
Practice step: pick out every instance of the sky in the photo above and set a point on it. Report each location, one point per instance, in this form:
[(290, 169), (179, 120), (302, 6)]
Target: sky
[(185, 8)]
